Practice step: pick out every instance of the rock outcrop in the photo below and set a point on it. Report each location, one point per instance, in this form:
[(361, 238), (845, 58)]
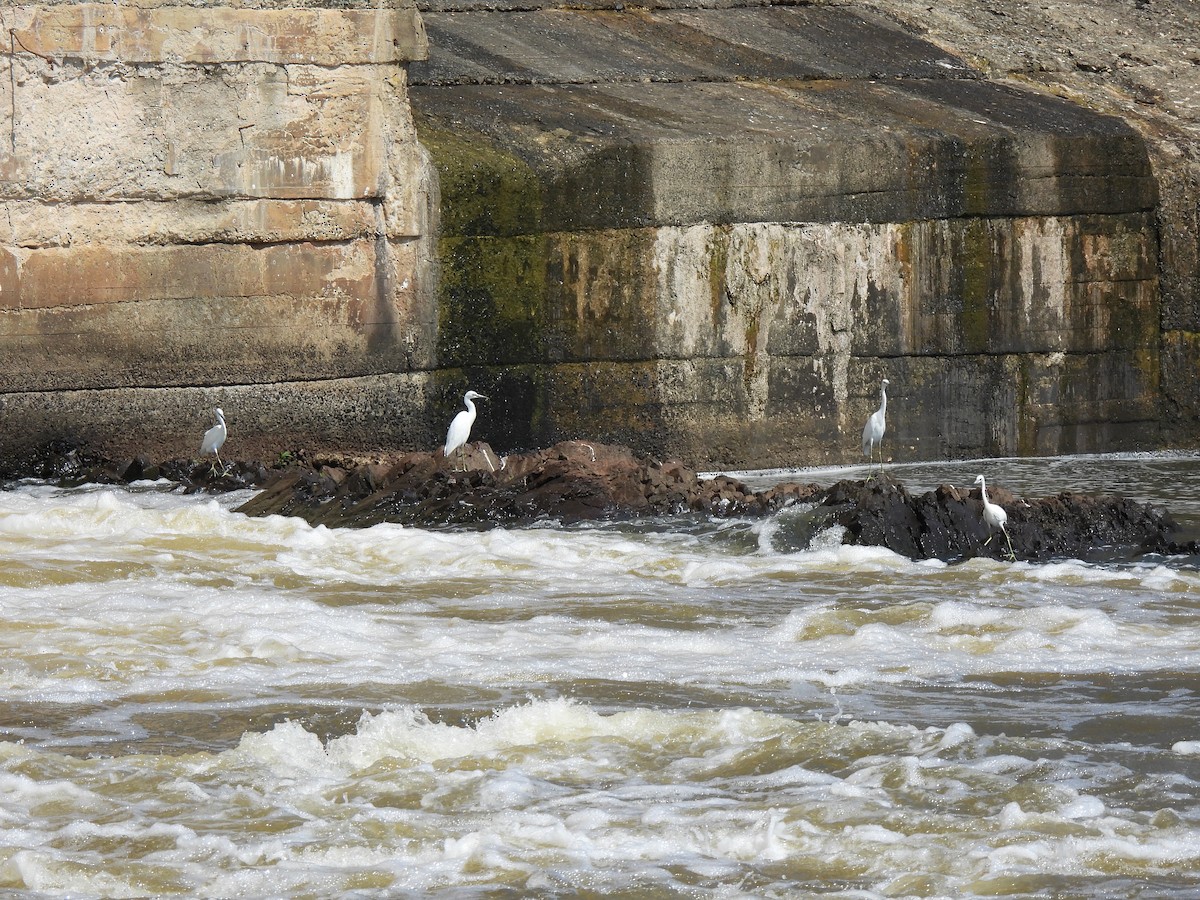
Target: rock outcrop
[(576, 481), (569, 482), (947, 523), (69, 466)]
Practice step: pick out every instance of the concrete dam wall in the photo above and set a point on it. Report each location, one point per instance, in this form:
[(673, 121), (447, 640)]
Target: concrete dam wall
[(704, 232)]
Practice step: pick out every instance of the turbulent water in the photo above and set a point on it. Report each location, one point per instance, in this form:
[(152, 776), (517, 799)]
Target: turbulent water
[(194, 702)]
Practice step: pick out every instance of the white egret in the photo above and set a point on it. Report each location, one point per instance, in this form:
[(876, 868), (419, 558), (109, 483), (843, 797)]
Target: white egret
[(995, 517), (873, 430), (460, 428), (214, 438)]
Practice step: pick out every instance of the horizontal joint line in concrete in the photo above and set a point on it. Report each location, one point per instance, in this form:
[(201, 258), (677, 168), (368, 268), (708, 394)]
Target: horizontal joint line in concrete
[(742, 80), (236, 385), (222, 327)]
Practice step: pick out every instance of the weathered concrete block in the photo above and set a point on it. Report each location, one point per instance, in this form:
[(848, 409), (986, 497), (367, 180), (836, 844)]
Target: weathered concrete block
[(1181, 385), (91, 134), (761, 333), (706, 232), (264, 419), (775, 247), (214, 195), (209, 314), (217, 34), (616, 155), (33, 225)]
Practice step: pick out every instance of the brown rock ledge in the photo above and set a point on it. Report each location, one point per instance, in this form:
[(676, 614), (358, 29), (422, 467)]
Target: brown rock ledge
[(577, 481)]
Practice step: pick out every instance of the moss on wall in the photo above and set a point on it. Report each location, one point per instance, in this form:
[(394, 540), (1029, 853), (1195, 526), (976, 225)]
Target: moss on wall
[(718, 261), (492, 300), (978, 263), (485, 189), (618, 334)]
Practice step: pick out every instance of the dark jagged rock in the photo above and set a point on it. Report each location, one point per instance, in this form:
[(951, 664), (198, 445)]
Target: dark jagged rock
[(947, 523), (569, 482), (576, 481), (68, 465)]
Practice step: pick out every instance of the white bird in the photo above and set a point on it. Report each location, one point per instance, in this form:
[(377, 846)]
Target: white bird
[(873, 430), (460, 428), (214, 438), (995, 517)]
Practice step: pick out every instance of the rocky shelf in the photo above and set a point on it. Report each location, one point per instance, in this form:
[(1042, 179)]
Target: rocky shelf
[(577, 481)]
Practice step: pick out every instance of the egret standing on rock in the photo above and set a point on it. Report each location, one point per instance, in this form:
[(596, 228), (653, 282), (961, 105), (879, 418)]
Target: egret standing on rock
[(873, 430), (214, 438), (995, 517), (460, 428)]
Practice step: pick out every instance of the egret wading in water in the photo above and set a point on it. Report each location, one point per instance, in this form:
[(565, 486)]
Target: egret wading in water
[(214, 438), (460, 428), (873, 430), (995, 517)]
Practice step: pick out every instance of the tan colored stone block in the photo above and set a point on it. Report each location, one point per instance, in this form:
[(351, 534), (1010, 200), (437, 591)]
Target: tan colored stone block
[(257, 131), (218, 34), (184, 341), (34, 225), (174, 316), (10, 294), (304, 133), (86, 275)]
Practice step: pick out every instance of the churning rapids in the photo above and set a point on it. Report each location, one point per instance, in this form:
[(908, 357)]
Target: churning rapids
[(199, 703)]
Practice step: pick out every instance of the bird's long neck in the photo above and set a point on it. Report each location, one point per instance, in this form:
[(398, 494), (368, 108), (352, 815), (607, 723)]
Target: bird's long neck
[(220, 419), (882, 398), (470, 406), (983, 490)]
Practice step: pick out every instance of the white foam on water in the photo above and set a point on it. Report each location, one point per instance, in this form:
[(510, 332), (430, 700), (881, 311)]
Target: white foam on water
[(553, 789), (386, 555), (131, 604), (235, 590)]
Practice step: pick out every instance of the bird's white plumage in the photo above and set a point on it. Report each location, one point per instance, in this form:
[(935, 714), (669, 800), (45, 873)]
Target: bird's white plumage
[(994, 515), (872, 435), (460, 427), (214, 438)]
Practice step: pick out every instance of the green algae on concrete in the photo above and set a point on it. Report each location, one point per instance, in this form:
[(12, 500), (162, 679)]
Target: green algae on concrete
[(485, 189), (978, 266), (492, 261), (1181, 387), (492, 300), (601, 295), (718, 260)]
